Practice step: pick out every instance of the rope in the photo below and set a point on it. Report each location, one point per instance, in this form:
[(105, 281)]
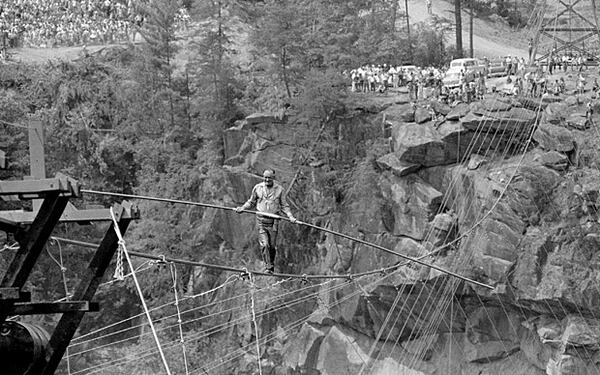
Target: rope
[(138, 315), (244, 270), (139, 289), (63, 271), (256, 334), (118, 275), (173, 270), (13, 246), (366, 243)]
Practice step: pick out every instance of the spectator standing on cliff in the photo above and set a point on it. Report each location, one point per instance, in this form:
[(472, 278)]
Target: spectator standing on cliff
[(429, 11), (589, 111), (580, 83), (268, 197)]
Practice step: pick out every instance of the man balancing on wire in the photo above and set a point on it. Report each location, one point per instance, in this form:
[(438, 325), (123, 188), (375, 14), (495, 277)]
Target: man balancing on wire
[(268, 197)]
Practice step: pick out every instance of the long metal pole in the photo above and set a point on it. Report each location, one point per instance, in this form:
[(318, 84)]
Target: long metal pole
[(370, 244)]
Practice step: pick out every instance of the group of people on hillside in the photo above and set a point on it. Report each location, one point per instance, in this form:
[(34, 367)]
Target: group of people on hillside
[(563, 62), (378, 78), (50, 23)]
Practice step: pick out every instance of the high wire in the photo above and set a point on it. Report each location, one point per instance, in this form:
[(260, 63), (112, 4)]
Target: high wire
[(242, 271), (366, 243)]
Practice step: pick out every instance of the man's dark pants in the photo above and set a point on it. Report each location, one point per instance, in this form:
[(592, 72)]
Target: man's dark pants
[(267, 239)]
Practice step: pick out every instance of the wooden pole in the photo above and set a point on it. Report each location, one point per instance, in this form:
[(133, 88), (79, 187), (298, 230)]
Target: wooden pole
[(408, 31), (471, 53)]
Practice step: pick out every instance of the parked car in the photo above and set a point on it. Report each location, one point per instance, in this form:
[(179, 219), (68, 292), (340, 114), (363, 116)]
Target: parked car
[(471, 68), (468, 65)]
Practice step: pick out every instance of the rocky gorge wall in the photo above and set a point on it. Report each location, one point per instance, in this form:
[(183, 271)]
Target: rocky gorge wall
[(502, 191)]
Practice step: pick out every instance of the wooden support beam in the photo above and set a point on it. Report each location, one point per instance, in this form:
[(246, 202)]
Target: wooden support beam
[(32, 241), (53, 307), (30, 189), (68, 323), (69, 216)]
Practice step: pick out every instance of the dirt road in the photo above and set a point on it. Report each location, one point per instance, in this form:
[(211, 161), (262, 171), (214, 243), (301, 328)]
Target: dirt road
[(489, 38)]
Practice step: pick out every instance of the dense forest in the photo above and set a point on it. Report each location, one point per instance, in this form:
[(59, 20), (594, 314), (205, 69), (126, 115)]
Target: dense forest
[(149, 119)]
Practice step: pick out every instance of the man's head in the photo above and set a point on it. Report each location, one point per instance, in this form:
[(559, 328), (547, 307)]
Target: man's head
[(268, 177)]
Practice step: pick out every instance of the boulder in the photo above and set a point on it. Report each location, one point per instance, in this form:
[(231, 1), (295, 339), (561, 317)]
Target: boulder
[(476, 161), (536, 352), (233, 138), (340, 354), (554, 160), (443, 230), (569, 365), (398, 167), (419, 144), (399, 113), (532, 103), (554, 138), (515, 119), (555, 113), (440, 108), (493, 104), (492, 333), (459, 111), (581, 332), (422, 115), (412, 202), (458, 140), (577, 121), (533, 256), (302, 352)]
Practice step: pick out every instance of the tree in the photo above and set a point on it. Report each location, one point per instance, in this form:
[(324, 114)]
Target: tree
[(278, 35), (211, 68), (458, 24), (158, 32)]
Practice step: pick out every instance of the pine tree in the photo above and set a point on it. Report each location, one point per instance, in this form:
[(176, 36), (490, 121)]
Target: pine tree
[(158, 31)]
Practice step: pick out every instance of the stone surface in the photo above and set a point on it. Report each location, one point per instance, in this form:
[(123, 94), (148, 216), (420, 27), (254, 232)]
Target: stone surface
[(399, 168), (556, 113), (554, 138), (554, 160), (460, 110), (527, 225), (577, 120), (400, 113), (419, 144), (422, 115), (302, 352), (413, 202)]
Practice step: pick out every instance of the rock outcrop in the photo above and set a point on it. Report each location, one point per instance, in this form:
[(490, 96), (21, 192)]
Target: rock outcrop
[(503, 192)]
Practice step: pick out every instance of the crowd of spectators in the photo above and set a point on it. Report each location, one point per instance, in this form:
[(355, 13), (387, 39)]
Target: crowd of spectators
[(51, 23), (534, 80), (378, 78)]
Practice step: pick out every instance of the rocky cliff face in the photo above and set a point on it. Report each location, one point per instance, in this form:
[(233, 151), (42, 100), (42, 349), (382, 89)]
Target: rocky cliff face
[(502, 191)]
